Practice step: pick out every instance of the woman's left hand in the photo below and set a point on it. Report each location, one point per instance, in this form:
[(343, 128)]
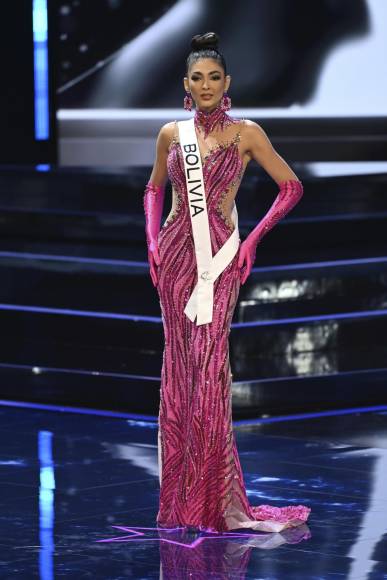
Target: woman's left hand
[(246, 259)]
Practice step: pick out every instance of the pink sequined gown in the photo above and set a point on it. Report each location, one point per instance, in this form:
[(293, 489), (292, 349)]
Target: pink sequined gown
[(201, 481)]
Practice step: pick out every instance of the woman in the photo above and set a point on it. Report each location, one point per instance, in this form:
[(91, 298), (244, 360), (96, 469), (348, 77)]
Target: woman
[(201, 480)]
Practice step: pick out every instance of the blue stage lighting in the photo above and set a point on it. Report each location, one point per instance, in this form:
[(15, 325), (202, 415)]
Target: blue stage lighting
[(40, 36)]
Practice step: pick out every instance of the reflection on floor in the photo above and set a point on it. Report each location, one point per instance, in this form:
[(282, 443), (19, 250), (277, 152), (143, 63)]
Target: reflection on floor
[(79, 497)]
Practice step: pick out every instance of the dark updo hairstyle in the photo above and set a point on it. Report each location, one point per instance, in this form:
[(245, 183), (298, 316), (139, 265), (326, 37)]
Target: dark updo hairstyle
[(205, 46)]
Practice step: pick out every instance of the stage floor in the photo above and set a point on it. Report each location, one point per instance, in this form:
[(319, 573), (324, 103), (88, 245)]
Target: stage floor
[(79, 497)]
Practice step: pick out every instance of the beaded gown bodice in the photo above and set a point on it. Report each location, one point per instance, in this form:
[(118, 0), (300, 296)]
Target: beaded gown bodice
[(223, 169)]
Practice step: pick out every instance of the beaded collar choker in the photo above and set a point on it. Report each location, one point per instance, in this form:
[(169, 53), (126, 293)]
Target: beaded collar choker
[(209, 120)]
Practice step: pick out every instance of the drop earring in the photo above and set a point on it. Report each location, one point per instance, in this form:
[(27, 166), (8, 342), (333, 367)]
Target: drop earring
[(187, 101), (225, 102)]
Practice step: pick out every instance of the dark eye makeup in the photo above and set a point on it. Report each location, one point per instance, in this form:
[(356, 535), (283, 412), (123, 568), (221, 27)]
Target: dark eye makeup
[(214, 78)]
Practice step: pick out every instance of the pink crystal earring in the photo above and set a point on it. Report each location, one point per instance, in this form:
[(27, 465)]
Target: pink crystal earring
[(225, 102), (187, 101)]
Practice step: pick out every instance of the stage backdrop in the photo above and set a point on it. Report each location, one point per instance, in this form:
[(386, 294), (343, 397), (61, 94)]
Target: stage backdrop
[(123, 60), (327, 55)]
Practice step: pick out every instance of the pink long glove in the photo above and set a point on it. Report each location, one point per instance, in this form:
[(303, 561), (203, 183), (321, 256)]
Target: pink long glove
[(153, 208), (289, 194)]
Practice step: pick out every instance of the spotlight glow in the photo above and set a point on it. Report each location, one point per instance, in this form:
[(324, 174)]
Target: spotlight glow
[(40, 36)]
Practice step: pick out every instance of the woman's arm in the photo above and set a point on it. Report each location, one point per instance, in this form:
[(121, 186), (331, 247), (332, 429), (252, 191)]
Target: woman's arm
[(153, 199), (291, 190), (260, 148), (159, 173)]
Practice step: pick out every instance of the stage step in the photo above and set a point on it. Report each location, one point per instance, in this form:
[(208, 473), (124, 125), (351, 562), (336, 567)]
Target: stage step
[(77, 299), (140, 394), (98, 343), (339, 217), (125, 287)]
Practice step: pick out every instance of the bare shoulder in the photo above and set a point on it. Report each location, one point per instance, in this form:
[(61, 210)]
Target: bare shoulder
[(168, 128), (255, 138), (254, 129), (166, 133)]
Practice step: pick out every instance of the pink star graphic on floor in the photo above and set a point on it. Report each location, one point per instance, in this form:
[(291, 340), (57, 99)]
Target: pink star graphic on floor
[(176, 536)]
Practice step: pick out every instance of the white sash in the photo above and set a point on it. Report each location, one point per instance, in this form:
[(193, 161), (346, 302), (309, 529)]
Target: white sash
[(200, 303)]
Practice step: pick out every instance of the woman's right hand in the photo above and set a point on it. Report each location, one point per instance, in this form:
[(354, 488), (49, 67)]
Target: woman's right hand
[(154, 261), (154, 197)]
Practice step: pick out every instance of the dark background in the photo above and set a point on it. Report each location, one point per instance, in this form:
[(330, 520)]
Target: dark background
[(17, 94), (117, 53)]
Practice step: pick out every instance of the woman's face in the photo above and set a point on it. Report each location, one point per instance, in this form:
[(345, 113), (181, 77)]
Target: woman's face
[(206, 77)]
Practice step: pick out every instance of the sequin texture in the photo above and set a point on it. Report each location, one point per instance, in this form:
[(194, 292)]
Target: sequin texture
[(201, 481), (207, 121)]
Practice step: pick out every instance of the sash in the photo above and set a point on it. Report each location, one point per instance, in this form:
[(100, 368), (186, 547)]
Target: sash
[(201, 301)]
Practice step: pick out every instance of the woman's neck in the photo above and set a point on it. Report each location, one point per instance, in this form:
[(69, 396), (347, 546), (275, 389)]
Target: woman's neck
[(209, 120)]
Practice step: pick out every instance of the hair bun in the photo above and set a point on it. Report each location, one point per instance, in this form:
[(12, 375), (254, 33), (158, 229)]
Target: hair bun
[(206, 40)]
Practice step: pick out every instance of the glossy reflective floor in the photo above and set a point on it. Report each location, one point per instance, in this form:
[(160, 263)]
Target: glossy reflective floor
[(79, 497)]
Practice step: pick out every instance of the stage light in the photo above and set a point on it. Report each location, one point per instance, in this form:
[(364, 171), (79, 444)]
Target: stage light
[(40, 39)]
